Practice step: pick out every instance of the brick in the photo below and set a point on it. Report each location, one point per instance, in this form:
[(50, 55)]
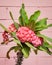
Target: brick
[(12, 2), (10, 61), (37, 2), (44, 60), (2, 61)]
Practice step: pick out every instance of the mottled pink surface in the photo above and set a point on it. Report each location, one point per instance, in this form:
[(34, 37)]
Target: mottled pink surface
[(31, 5)]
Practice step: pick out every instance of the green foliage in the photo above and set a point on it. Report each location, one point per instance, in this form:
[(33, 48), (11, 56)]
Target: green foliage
[(33, 19), (50, 25), (36, 51), (42, 22), (21, 21), (13, 34), (25, 51), (41, 25), (15, 48), (23, 16), (45, 37), (46, 44), (45, 49), (16, 24), (35, 16), (11, 16), (31, 46), (4, 27), (17, 41)]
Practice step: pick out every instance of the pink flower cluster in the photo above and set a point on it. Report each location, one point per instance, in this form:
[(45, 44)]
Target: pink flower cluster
[(25, 34)]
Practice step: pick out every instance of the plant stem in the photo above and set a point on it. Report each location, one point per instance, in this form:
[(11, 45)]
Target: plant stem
[(19, 58)]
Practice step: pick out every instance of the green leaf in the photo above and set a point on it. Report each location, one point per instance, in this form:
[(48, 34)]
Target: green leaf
[(45, 49), (16, 24), (21, 21), (11, 16), (33, 19), (25, 51), (14, 35), (23, 6), (42, 22), (31, 25), (4, 27), (46, 44), (34, 16), (30, 45), (24, 16), (45, 37), (41, 25), (17, 41), (36, 51), (40, 28), (15, 48), (50, 25)]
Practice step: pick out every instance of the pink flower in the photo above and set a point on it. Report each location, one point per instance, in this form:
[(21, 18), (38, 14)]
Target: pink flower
[(5, 36), (12, 28), (26, 35)]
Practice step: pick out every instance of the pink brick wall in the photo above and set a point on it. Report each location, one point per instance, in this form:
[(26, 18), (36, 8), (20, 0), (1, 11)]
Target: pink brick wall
[(31, 5)]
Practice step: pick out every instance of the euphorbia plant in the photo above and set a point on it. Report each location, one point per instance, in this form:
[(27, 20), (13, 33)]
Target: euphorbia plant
[(26, 34)]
